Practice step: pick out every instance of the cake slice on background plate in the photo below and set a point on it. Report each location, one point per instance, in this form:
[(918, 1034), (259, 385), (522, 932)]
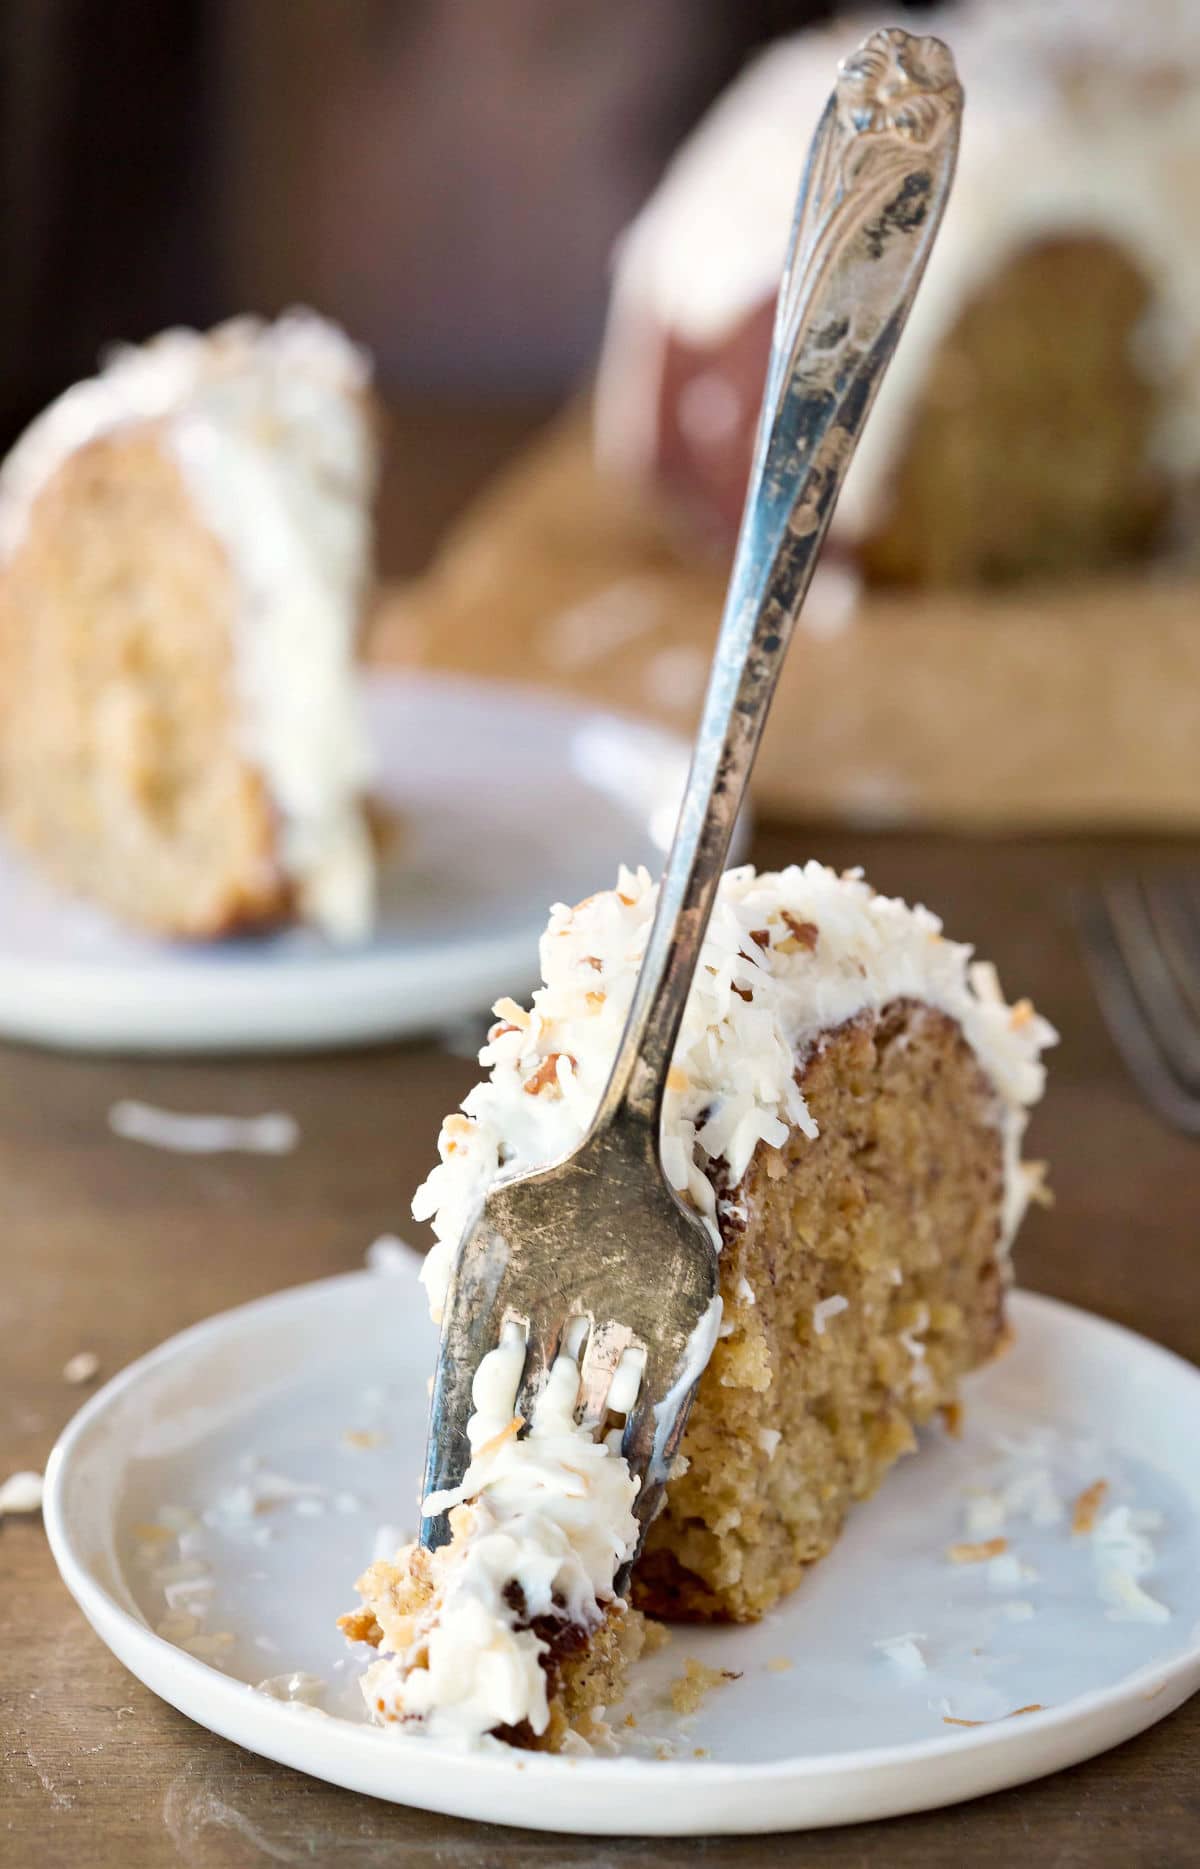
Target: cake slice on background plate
[(1042, 414), (845, 1109), (185, 550)]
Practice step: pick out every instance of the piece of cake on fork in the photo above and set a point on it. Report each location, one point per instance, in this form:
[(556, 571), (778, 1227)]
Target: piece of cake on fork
[(845, 1110), (185, 549)]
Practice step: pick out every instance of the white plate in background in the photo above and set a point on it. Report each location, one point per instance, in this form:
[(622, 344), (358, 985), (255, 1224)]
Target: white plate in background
[(263, 1399), (508, 800)]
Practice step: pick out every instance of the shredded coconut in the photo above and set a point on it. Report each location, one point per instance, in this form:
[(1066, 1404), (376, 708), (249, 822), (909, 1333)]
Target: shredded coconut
[(273, 1134), (751, 1013), (298, 1687), (1007, 1570), (81, 1367), (389, 1255), (905, 1653), (827, 1308), (1124, 1555), (21, 1492), (551, 1513)]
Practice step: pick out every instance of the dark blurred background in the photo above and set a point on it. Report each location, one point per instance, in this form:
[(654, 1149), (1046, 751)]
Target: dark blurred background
[(445, 177)]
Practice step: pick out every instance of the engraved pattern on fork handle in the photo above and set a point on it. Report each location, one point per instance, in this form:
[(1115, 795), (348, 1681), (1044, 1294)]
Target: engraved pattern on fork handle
[(870, 204)]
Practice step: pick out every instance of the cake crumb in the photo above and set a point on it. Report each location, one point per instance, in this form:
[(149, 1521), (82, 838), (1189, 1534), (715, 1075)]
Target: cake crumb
[(362, 1438), (700, 1752), (978, 1553), (1087, 1508), (779, 1664), (655, 1636), (696, 1682), (952, 1419)]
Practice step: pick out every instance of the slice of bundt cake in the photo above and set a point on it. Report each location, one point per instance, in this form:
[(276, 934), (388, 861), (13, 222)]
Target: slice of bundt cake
[(1042, 414), (184, 554), (845, 1109)]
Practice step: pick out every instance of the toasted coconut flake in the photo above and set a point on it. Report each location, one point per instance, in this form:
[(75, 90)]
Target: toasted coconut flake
[(497, 1441), (978, 1552), (1086, 1509), (545, 1078), (801, 935)]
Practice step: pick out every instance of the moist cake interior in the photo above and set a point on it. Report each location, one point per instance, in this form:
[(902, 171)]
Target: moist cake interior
[(119, 763)]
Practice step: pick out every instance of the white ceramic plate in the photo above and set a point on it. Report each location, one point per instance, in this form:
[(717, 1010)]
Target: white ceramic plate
[(228, 1420), (509, 800)]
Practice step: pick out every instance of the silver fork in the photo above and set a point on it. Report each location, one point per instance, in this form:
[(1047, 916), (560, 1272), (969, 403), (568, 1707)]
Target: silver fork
[(1141, 938), (600, 1235)]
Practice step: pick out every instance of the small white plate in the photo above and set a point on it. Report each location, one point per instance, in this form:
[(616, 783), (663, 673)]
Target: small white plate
[(508, 800), (324, 1387)]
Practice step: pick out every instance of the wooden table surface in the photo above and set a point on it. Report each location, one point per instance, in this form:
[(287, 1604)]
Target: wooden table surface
[(110, 1246)]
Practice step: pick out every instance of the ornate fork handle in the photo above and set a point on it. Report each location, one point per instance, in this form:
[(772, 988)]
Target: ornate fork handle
[(870, 204)]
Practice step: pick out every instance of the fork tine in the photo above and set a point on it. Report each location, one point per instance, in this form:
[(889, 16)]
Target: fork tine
[(606, 1346), (545, 1339), (472, 1320), (1174, 905), (1123, 1014), (1164, 1007)]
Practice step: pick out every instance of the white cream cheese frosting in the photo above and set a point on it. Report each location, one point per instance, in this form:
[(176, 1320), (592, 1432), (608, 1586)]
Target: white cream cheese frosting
[(1082, 117), (549, 1514), (270, 427), (733, 1084), (787, 956)]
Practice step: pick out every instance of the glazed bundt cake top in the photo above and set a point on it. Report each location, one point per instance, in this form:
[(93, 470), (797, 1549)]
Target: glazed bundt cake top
[(1080, 119), (787, 956), (270, 428)]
